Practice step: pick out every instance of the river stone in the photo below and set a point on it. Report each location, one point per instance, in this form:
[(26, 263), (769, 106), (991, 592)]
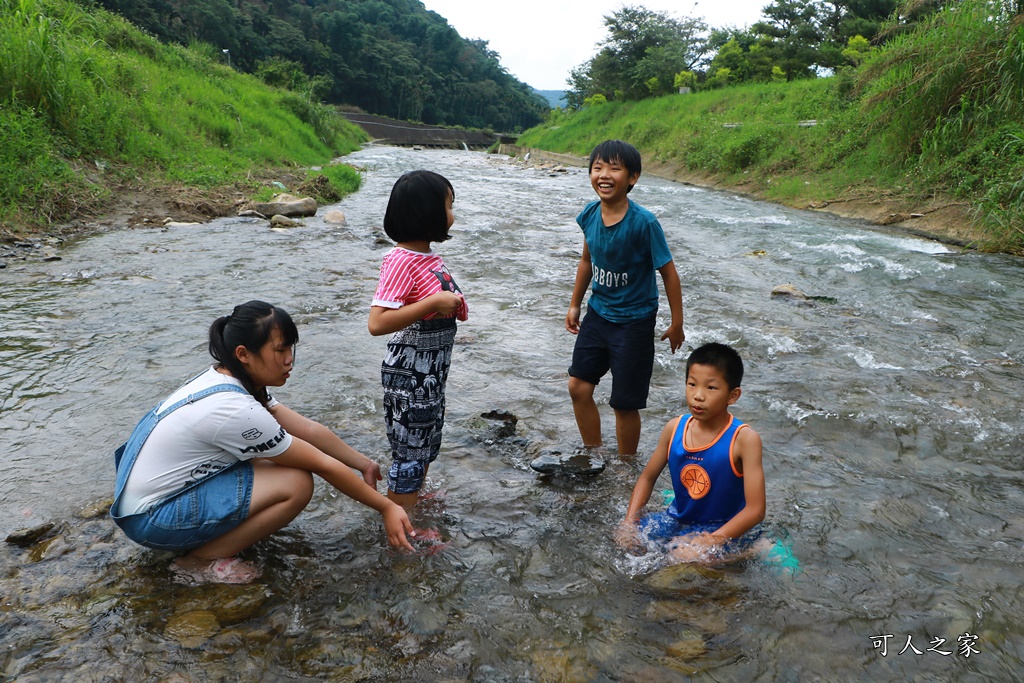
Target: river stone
[(684, 578), (49, 548), (230, 604), (282, 221), (506, 426), (335, 218), (97, 509), (286, 205), (23, 538), (192, 629), (788, 291), (581, 462), (690, 647)]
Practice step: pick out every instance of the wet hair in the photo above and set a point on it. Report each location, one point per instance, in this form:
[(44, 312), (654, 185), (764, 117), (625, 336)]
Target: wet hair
[(249, 325), (722, 357), (611, 151), (416, 209)]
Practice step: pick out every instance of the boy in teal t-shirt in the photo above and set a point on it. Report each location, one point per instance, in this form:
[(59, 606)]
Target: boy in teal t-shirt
[(624, 245)]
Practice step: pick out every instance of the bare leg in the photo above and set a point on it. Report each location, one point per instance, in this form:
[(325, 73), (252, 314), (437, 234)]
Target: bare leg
[(279, 494), (588, 418), (627, 431), (408, 500)]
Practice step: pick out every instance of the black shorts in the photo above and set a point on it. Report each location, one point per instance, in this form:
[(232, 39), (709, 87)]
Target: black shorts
[(627, 349)]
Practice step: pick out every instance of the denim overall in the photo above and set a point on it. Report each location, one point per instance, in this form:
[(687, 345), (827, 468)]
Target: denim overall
[(131, 449)]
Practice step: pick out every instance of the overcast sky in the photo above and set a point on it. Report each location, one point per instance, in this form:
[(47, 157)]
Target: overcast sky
[(541, 40)]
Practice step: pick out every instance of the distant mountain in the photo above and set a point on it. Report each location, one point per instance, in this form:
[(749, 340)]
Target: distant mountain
[(556, 98)]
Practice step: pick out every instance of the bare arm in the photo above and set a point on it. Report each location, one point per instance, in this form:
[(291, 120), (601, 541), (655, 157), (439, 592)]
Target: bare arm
[(327, 441), (674, 293), (645, 485), (584, 274), (305, 456), (389, 320), (748, 451)]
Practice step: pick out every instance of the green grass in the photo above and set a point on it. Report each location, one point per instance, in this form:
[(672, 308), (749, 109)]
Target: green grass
[(938, 112), (87, 100)]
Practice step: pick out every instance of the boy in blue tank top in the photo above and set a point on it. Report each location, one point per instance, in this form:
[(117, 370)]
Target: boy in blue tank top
[(715, 463), (624, 246)]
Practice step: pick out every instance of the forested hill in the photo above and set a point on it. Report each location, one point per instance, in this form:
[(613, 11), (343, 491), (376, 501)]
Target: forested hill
[(389, 57)]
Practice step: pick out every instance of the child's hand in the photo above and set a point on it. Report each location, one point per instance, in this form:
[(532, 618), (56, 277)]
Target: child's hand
[(627, 536), (694, 547), (397, 525), (371, 474), (445, 303), (675, 336), (572, 320)]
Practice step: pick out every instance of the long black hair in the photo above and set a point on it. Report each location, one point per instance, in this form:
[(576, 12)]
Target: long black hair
[(249, 325)]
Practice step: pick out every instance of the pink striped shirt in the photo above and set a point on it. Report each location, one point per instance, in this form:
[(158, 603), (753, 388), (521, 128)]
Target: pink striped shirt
[(410, 276)]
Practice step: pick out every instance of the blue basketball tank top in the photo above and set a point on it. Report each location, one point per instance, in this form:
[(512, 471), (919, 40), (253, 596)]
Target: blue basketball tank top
[(708, 489)]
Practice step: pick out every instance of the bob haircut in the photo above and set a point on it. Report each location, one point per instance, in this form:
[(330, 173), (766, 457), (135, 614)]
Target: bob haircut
[(723, 358), (611, 151), (417, 210), (249, 325)]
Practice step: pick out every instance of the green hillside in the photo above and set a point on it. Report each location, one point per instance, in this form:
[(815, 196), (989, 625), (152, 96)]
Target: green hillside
[(393, 58), (936, 113), (88, 102)]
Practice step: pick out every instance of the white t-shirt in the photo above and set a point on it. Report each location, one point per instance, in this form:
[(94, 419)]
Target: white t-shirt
[(200, 439)]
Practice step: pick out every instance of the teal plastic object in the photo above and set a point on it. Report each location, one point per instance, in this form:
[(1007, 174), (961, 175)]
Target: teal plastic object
[(667, 496), (781, 558)]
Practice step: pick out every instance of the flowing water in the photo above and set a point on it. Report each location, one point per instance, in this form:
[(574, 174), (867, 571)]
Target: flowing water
[(888, 403)]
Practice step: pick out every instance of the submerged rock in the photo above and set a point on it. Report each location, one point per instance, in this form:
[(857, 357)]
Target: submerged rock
[(580, 462), (789, 291), (506, 426), (23, 538)]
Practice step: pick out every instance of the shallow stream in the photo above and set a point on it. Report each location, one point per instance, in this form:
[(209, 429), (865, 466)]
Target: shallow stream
[(889, 404)]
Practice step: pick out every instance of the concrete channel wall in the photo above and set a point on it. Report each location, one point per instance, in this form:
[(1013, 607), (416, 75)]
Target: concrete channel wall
[(402, 133)]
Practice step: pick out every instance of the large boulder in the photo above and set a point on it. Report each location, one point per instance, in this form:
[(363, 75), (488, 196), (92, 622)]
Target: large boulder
[(286, 205)]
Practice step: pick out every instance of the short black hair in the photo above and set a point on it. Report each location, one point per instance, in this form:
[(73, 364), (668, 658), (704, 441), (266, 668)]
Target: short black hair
[(722, 357), (416, 210), (617, 150)]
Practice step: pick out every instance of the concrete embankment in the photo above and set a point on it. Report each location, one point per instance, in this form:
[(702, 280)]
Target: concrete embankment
[(404, 134)]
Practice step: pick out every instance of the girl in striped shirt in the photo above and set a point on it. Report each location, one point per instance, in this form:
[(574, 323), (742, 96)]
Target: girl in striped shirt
[(418, 303)]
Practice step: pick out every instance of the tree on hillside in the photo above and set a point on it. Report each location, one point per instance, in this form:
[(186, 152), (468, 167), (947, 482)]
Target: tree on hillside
[(388, 57), (793, 27), (640, 56)]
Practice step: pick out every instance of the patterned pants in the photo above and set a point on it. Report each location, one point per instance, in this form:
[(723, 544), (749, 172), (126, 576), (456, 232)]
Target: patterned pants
[(414, 373)]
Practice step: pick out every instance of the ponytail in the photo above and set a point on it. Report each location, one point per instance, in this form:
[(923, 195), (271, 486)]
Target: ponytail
[(249, 325)]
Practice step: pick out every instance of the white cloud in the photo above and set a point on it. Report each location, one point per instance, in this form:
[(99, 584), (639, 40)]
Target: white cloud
[(541, 40)]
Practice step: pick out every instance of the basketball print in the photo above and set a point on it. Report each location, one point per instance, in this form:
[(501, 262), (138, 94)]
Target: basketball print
[(695, 479)]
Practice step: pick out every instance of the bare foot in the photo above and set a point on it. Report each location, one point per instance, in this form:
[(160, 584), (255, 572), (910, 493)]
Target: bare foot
[(198, 571)]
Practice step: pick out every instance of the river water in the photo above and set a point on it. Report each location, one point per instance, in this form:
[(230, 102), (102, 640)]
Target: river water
[(888, 403)]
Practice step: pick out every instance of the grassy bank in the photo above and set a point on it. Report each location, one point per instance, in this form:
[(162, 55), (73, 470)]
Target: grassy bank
[(938, 117), (88, 104)]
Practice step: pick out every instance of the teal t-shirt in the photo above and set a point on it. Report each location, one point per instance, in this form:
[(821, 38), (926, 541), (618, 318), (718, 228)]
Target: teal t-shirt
[(625, 258)]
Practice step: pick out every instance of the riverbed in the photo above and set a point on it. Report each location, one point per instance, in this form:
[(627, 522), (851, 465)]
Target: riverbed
[(888, 401)]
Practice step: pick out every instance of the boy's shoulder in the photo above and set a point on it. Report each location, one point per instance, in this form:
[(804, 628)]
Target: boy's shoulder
[(641, 211), (588, 211), (637, 213)]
